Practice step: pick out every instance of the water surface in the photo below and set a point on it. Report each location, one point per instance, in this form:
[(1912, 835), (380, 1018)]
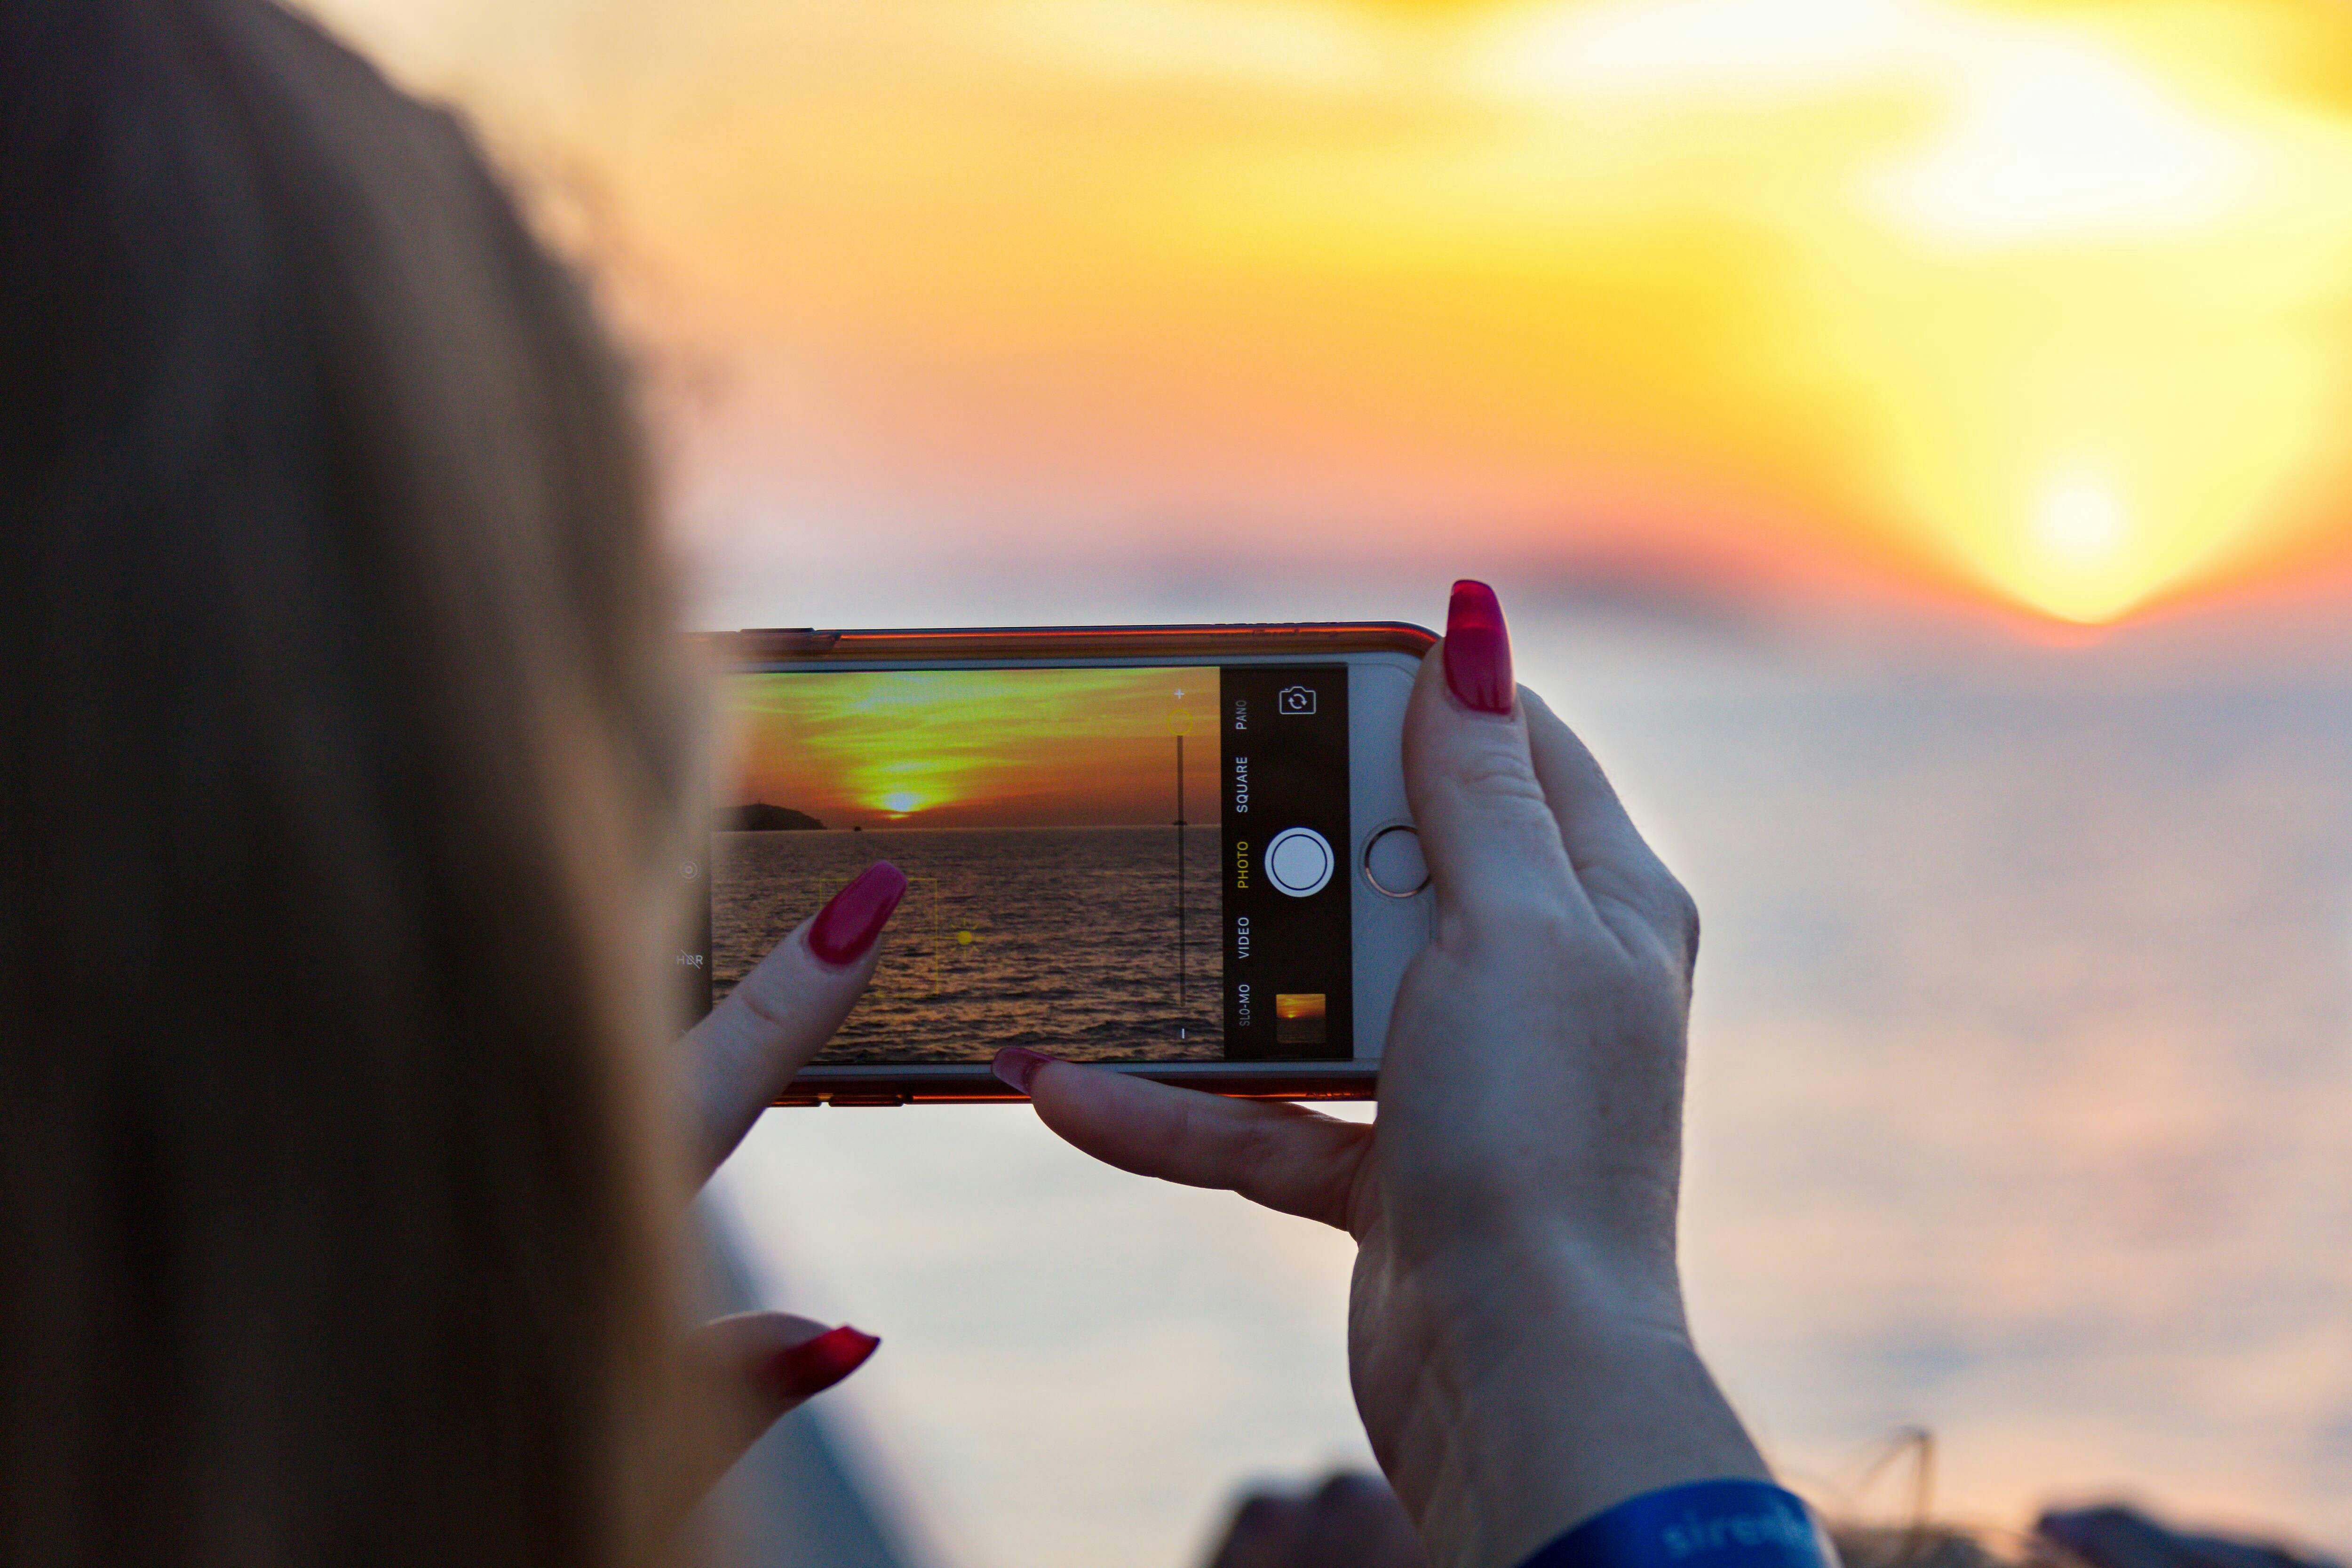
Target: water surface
[(1062, 938)]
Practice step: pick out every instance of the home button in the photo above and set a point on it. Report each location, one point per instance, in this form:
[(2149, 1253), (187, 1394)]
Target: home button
[(1392, 862)]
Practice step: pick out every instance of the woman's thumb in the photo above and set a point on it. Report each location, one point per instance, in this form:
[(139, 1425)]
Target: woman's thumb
[(1471, 779)]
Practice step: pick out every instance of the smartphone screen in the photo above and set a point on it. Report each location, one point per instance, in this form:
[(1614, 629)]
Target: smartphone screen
[(1140, 863)]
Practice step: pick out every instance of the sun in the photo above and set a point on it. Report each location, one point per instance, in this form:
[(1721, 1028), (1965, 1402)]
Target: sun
[(2053, 277), (902, 802)]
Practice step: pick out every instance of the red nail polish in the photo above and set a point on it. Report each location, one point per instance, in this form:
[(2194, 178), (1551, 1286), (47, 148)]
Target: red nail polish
[(1019, 1065), (1478, 650), (815, 1365), (852, 918)]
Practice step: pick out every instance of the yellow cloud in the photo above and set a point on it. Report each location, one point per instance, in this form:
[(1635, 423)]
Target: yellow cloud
[(971, 748)]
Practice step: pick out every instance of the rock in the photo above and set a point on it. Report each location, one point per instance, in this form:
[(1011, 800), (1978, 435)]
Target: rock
[(2118, 1537), (761, 817)]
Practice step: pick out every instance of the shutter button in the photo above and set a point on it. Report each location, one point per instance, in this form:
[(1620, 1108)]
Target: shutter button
[(1299, 862)]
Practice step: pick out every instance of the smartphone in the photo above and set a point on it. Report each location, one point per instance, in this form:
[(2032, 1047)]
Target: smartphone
[(1178, 851)]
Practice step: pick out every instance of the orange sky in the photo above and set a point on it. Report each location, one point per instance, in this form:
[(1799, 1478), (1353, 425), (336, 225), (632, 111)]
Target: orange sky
[(2048, 302), (1005, 748)]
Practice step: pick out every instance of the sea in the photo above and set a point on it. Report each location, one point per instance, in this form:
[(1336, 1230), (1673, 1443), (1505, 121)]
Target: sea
[(1095, 943)]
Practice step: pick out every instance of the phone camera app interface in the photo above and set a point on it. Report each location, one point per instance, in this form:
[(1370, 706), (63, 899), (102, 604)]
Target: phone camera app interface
[(1289, 982), (1109, 864)]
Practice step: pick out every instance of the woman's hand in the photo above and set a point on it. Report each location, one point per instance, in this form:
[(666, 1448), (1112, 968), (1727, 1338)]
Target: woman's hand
[(753, 1368), (1515, 1337)]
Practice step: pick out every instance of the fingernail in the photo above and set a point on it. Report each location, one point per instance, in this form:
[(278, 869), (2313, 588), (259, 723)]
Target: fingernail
[(854, 917), (1478, 649), (1019, 1065), (815, 1365)]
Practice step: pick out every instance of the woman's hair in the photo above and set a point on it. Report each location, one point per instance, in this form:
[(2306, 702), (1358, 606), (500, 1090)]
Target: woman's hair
[(340, 736)]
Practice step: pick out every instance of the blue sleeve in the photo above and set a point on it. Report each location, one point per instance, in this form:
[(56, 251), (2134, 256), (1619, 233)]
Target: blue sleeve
[(1706, 1525)]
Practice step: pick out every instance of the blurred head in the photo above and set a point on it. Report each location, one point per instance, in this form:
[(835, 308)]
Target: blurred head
[(339, 737)]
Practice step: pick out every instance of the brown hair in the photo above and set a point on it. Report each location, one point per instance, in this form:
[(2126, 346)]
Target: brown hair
[(340, 732)]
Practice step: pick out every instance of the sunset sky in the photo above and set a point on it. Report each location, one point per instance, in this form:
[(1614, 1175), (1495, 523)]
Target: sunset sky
[(2045, 303), (979, 748)]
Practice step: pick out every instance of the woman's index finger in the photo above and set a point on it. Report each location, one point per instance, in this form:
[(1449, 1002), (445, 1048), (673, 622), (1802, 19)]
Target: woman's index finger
[(1269, 1152)]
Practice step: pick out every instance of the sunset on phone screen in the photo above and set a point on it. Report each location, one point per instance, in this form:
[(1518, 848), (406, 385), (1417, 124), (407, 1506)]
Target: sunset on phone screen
[(977, 748)]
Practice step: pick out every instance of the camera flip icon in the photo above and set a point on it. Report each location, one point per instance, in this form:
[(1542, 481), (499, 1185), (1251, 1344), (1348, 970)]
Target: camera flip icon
[(1294, 700)]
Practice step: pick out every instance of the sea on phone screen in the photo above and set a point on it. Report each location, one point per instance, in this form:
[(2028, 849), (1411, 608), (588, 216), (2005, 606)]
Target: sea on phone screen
[(1064, 938)]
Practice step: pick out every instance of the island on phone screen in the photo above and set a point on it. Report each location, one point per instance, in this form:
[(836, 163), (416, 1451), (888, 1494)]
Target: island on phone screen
[(1106, 864)]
